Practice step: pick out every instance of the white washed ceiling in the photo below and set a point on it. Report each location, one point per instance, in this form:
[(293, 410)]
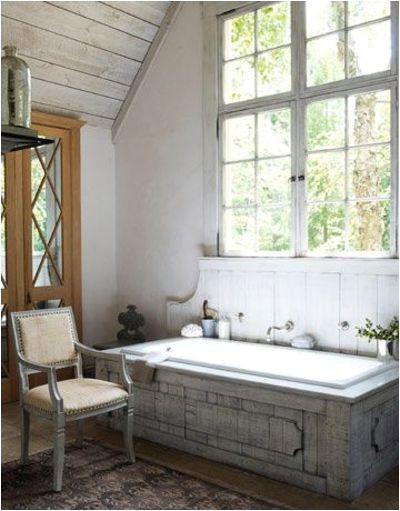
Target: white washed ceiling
[(83, 55)]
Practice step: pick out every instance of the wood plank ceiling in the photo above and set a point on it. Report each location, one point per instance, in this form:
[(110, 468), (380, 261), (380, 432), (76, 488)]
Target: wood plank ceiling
[(83, 56)]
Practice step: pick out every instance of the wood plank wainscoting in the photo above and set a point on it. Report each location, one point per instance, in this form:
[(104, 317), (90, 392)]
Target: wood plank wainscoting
[(316, 294), (41, 235)]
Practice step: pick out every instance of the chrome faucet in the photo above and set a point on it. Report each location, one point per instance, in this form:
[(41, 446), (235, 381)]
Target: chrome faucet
[(289, 325)]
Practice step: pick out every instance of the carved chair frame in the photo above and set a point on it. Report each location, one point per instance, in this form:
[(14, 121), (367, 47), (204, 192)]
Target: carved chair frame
[(57, 414)]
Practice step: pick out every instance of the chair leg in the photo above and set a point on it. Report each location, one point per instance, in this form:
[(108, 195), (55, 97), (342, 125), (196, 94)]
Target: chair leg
[(58, 455), (128, 434), (79, 433), (25, 423)]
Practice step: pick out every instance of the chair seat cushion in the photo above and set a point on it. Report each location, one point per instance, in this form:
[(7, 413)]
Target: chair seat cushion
[(79, 395)]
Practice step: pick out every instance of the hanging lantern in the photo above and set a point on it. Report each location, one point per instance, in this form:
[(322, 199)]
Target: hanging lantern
[(15, 90)]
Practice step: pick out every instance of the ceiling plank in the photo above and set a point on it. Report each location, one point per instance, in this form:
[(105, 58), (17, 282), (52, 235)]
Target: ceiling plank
[(143, 10), (75, 79), (73, 26), (156, 45), (38, 43), (65, 97), (105, 14), (90, 119)]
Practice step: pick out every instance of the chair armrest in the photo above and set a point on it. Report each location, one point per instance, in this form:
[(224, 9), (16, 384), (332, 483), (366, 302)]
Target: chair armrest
[(51, 371), (43, 368), (85, 350), (112, 357)]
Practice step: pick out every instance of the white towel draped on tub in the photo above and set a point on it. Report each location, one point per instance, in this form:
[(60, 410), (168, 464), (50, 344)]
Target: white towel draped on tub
[(144, 367)]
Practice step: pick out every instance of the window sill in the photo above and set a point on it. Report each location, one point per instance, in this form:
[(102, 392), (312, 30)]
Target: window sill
[(377, 266)]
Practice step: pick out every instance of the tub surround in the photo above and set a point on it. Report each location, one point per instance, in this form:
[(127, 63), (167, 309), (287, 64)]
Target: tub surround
[(335, 441), (316, 294)]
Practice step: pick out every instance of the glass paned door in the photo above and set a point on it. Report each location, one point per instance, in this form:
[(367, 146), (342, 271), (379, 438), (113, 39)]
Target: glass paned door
[(47, 223)]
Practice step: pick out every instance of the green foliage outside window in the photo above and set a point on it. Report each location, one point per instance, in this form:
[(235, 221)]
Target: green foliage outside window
[(344, 212)]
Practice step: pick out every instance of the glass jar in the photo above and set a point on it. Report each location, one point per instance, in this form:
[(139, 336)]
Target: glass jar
[(15, 90)]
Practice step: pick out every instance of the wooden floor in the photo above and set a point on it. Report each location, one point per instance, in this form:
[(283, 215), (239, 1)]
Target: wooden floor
[(383, 495)]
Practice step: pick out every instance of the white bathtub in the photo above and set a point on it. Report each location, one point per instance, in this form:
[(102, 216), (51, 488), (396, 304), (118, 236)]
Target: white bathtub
[(306, 366)]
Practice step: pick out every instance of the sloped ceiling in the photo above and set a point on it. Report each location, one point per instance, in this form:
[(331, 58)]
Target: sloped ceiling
[(84, 56)]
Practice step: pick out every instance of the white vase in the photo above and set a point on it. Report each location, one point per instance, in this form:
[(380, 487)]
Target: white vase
[(383, 351)]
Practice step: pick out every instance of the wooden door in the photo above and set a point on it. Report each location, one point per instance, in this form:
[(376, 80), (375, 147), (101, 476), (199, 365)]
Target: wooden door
[(45, 213)]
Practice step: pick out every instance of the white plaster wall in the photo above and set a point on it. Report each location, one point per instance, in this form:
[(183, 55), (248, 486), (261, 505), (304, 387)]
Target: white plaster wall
[(98, 235), (159, 178)]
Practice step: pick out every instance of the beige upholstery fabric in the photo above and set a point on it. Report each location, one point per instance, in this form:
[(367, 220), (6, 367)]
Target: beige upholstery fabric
[(80, 394), (47, 339)]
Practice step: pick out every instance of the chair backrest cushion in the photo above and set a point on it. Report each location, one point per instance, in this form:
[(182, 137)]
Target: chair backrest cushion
[(47, 338)]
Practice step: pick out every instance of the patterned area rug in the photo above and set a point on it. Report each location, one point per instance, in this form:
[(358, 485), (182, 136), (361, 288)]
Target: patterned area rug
[(97, 477)]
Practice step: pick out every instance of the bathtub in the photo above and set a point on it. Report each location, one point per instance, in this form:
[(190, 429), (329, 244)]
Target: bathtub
[(313, 367), (326, 422)]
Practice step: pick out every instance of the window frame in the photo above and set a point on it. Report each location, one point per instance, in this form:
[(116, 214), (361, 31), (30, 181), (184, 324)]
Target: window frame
[(296, 99)]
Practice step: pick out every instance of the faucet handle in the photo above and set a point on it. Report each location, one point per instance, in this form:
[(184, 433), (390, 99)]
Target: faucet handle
[(289, 325)]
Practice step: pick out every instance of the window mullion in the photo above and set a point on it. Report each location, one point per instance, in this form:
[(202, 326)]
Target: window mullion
[(256, 205), (346, 173), (394, 156), (298, 125), (301, 185), (346, 41)]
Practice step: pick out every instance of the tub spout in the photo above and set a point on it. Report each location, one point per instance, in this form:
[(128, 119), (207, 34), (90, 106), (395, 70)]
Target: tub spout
[(289, 325)]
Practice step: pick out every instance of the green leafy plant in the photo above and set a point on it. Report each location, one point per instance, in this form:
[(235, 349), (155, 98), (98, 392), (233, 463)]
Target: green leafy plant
[(378, 332)]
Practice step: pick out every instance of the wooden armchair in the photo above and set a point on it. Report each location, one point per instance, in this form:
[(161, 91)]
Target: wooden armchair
[(45, 341)]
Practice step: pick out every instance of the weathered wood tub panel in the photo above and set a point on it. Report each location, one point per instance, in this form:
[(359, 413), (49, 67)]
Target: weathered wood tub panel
[(328, 446)]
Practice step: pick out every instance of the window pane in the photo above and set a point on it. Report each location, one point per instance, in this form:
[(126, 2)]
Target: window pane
[(359, 12), (274, 133), (239, 36), (369, 226), (273, 27), (323, 17), (325, 124), (273, 72), (369, 171), (274, 229), (325, 176), (326, 230), (239, 184), (239, 228), (369, 117), (239, 138), (47, 228), (239, 80), (273, 180), (325, 59), (369, 49)]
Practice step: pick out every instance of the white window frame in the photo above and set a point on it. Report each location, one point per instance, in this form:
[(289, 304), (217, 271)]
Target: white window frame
[(214, 14)]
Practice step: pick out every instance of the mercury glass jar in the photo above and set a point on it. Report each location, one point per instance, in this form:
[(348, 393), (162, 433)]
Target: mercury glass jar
[(15, 90)]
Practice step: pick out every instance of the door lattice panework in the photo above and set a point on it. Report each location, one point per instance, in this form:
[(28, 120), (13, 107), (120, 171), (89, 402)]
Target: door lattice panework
[(47, 212)]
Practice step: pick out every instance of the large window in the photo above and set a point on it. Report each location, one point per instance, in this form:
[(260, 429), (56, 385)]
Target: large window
[(307, 135)]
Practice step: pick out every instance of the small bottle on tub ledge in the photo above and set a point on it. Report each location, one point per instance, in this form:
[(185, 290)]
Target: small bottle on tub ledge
[(224, 327)]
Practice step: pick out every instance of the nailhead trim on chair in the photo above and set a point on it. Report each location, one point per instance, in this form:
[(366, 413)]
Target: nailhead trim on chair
[(81, 410)]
